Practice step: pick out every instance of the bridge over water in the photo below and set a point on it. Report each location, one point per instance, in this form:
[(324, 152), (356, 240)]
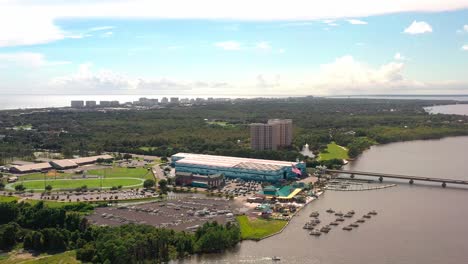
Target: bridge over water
[(396, 176)]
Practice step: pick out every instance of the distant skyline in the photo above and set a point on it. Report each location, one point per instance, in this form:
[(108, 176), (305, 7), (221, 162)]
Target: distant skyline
[(239, 47)]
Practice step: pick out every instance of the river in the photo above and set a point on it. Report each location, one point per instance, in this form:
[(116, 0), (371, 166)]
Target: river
[(456, 109), (420, 223)]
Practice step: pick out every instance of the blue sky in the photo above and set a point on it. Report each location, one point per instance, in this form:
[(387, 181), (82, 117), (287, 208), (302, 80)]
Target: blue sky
[(404, 51)]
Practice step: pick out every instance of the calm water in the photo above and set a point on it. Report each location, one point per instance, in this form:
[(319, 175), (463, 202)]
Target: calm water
[(458, 109), (422, 223)]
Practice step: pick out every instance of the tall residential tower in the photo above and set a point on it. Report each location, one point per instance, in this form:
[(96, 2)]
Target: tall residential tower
[(275, 133)]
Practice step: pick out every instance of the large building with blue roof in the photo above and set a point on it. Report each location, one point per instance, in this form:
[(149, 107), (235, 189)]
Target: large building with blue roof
[(234, 167)]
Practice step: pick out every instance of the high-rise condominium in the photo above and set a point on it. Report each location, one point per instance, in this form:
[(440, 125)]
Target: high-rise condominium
[(275, 133)]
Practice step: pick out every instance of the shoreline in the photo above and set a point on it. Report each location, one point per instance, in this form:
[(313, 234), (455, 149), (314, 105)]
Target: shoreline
[(288, 221)]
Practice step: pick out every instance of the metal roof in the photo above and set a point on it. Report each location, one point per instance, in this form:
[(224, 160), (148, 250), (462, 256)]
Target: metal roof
[(64, 163), (91, 159), (33, 167), (232, 162)]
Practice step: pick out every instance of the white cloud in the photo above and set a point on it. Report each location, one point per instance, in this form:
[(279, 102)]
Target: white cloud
[(348, 76), (465, 28), (101, 28), (26, 60), (102, 81), (418, 28), (281, 50), (399, 57), (228, 45), (465, 47), (297, 24), (330, 22), (17, 30), (107, 34), (35, 23), (357, 22), (267, 82), (264, 46)]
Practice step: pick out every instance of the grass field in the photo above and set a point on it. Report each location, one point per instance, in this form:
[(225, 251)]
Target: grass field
[(258, 228), (334, 151), (67, 257), (71, 184), (118, 172), (220, 123), (40, 176), (7, 199)]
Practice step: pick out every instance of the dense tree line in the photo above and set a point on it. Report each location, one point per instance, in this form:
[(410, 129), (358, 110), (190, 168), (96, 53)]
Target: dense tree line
[(163, 132), (44, 229)]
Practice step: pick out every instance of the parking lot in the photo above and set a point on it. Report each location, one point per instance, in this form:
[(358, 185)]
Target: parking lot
[(238, 187), (181, 213)]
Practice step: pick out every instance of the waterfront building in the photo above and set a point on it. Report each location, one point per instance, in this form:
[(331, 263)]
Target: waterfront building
[(104, 103), (174, 100), (77, 104), (282, 193), (234, 167), (276, 133), (147, 102), (164, 100), (91, 104)]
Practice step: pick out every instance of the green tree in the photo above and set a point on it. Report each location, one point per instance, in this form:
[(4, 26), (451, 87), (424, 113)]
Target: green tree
[(20, 187), (48, 188), (148, 183), (162, 185)]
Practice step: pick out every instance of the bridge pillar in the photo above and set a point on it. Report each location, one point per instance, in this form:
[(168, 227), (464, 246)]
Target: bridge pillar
[(444, 185), (380, 179), (411, 181), (352, 176)]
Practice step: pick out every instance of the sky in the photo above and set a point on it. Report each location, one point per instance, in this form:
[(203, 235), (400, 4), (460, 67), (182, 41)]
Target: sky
[(241, 48)]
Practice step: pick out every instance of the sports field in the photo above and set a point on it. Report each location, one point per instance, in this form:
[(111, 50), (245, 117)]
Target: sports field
[(75, 183), (118, 172), (111, 177)]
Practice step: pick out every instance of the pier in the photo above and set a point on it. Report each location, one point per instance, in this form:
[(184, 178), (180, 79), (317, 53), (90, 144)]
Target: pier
[(411, 179)]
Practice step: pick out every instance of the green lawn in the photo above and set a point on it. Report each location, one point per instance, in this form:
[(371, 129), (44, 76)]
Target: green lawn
[(40, 176), (90, 183), (334, 151), (117, 172), (68, 257), (7, 199), (220, 123), (258, 228)]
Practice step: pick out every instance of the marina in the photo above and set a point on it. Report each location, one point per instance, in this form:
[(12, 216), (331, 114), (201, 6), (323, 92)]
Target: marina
[(403, 204)]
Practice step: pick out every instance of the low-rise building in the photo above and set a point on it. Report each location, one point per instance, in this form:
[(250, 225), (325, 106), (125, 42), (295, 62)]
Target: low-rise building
[(196, 180), (63, 164), (29, 168), (234, 167)]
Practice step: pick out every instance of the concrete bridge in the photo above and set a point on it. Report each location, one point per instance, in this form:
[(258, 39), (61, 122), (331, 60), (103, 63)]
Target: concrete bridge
[(396, 176)]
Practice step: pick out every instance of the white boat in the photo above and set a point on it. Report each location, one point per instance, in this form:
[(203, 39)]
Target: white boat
[(315, 232)]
